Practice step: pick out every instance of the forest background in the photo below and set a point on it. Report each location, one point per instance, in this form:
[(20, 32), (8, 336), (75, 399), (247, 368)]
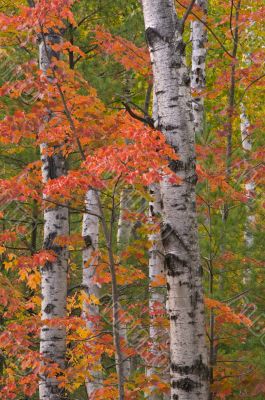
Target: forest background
[(93, 109)]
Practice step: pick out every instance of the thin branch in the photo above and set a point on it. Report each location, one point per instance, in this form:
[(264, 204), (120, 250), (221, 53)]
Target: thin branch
[(86, 52), (148, 98), (251, 84), (186, 14), (147, 121)]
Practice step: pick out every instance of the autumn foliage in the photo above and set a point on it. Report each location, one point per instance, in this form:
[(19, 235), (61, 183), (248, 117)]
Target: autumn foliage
[(109, 150)]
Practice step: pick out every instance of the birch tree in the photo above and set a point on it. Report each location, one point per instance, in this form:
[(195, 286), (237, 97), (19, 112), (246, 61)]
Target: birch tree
[(53, 274), (249, 186), (123, 238), (156, 294), (198, 72), (90, 233), (188, 352)]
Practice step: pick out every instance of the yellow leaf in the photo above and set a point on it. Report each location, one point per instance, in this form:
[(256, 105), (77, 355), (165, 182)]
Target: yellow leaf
[(34, 280), (94, 299), (2, 249), (83, 333), (8, 265)]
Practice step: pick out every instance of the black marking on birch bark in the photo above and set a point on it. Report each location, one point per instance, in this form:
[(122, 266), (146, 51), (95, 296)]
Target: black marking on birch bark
[(176, 165), (176, 64), (56, 226), (49, 308), (166, 231), (170, 127), (198, 368), (185, 384), (168, 286), (56, 338), (160, 92), (50, 245), (51, 168), (193, 179), (188, 284), (175, 397), (174, 317), (152, 210), (180, 47), (152, 36), (47, 267), (180, 207), (88, 241), (191, 314), (195, 299), (174, 265), (186, 79)]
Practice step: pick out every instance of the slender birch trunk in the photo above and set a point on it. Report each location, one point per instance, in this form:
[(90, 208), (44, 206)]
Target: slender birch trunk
[(249, 186), (53, 274), (124, 225), (198, 74), (123, 238), (188, 352), (157, 297), (90, 312), (198, 84)]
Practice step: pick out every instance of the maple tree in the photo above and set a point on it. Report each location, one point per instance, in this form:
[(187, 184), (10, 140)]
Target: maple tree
[(92, 106)]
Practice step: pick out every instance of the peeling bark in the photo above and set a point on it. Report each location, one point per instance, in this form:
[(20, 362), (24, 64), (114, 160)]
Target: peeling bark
[(179, 232)]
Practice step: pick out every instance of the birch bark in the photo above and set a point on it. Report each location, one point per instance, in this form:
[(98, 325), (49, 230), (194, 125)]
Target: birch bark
[(249, 186), (188, 352), (90, 312), (53, 274), (198, 74), (124, 225), (157, 297), (123, 238)]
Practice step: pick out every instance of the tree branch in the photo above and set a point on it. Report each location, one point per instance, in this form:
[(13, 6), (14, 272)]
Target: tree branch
[(186, 14), (251, 83), (145, 120)]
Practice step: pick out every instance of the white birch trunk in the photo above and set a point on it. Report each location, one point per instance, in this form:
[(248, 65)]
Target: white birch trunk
[(124, 225), (90, 312), (198, 74), (123, 238), (188, 351), (249, 187), (157, 297), (53, 274)]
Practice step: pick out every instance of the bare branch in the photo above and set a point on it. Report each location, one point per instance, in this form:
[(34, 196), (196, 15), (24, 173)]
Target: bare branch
[(187, 13), (145, 120)]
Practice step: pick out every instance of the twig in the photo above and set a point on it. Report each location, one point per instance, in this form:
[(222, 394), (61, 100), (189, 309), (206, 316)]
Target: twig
[(186, 14)]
